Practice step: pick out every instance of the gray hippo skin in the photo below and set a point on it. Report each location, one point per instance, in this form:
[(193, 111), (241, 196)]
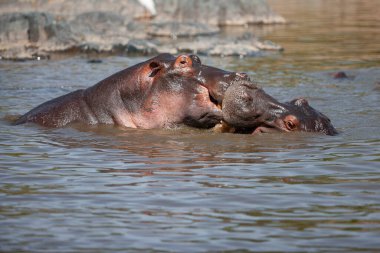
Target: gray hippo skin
[(248, 109), (158, 93)]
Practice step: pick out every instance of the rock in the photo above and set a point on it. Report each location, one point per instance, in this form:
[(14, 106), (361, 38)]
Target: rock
[(29, 35), (340, 75), (141, 47), (217, 12), (106, 23), (69, 9), (185, 29), (242, 46), (213, 12), (22, 53), (13, 29), (100, 31), (95, 61), (70, 25)]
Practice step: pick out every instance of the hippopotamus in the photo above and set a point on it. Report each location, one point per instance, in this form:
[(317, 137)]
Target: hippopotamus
[(160, 92), (247, 108)]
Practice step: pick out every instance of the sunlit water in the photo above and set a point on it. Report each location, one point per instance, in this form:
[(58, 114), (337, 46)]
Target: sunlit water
[(110, 190)]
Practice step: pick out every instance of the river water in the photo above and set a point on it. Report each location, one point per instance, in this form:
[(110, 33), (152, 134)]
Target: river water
[(103, 189)]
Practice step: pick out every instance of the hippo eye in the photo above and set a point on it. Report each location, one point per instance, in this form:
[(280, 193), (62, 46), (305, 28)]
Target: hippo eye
[(290, 125), (291, 122)]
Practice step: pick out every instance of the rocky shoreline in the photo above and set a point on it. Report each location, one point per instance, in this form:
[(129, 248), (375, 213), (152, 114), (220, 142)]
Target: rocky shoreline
[(33, 29)]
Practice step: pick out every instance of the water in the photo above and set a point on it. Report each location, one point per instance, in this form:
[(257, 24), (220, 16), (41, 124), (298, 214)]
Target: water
[(186, 190)]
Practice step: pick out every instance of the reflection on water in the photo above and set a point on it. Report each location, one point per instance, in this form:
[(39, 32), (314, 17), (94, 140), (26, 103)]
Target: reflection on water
[(105, 189)]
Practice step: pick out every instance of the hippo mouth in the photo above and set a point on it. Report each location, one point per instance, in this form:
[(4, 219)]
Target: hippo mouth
[(261, 129), (224, 127), (265, 127), (273, 126), (266, 130), (215, 101)]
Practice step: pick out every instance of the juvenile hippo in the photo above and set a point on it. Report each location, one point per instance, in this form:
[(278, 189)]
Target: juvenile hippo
[(249, 109), (160, 92)]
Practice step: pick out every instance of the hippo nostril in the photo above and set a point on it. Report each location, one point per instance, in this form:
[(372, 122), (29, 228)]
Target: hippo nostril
[(183, 61)]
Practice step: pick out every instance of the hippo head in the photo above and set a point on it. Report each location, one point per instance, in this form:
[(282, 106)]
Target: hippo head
[(249, 109), (167, 91)]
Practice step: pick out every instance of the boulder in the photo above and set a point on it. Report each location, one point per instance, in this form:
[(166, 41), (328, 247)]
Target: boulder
[(247, 45), (100, 31), (217, 12), (181, 29), (38, 28), (28, 35)]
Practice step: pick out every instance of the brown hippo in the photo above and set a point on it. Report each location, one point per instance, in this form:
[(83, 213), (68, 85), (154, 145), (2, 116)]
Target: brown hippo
[(160, 92), (248, 109)]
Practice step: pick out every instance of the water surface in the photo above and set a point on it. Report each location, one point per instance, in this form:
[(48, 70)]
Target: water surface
[(102, 189)]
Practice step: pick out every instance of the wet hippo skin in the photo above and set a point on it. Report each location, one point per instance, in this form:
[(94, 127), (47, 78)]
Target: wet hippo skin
[(217, 81), (248, 109), (160, 92)]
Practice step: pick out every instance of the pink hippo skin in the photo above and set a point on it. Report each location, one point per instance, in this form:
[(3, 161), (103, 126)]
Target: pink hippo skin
[(158, 93)]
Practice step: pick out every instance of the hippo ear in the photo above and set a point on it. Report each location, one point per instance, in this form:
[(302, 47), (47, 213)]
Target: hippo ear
[(291, 122), (155, 67), (300, 102), (195, 58)]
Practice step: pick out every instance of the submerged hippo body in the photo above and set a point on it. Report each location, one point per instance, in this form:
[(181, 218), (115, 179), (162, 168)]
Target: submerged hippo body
[(249, 109), (157, 93)]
